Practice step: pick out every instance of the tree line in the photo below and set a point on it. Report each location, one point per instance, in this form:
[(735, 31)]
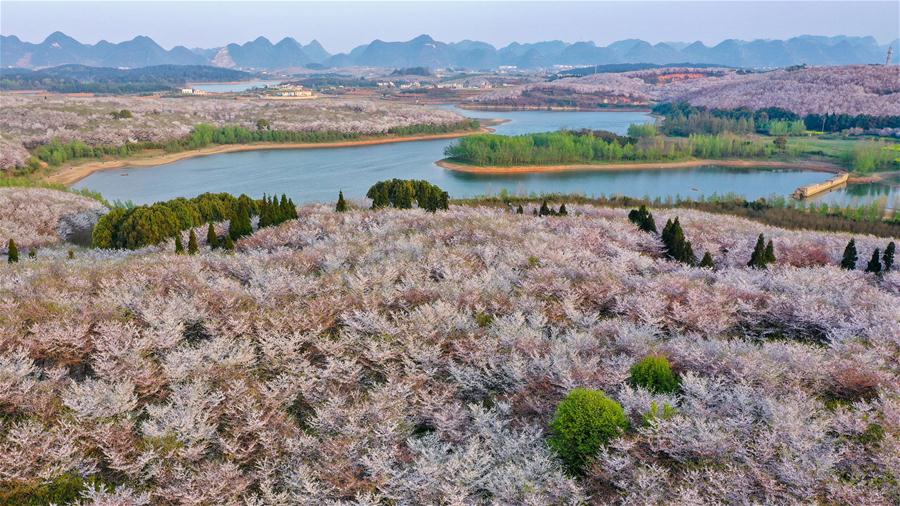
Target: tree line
[(139, 226), (777, 211), (401, 193), (682, 119), (567, 147), (203, 135), (878, 263), (56, 152), (678, 248)]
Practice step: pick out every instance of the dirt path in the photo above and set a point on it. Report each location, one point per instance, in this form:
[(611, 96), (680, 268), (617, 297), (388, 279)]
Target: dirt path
[(530, 169), (71, 174)]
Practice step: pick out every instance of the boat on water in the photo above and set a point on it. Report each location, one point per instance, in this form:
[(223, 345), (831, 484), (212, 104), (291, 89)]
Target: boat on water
[(814, 189)]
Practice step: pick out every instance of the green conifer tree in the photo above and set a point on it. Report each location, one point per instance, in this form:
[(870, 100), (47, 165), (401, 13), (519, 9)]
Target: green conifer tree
[(179, 247), (545, 211), (563, 211), (12, 252), (403, 195), (758, 257), (874, 265), (707, 261), (192, 243), (643, 219), (888, 259), (240, 224), (677, 247), (666, 235), (687, 256), (284, 211), (341, 206), (519, 210), (848, 261), (648, 224), (228, 244), (212, 240), (427, 198), (770, 253), (266, 217)]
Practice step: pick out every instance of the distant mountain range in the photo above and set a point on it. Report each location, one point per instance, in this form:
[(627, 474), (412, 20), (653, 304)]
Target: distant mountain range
[(424, 51)]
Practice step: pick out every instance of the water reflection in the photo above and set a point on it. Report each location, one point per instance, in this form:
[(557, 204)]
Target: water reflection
[(318, 174)]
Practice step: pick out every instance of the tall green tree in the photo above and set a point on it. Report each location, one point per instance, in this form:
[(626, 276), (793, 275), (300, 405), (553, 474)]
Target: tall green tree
[(404, 195), (192, 243), (707, 261), (211, 238), (770, 252), (666, 234), (545, 211), (888, 259), (12, 252), (563, 211), (341, 206), (848, 261), (677, 247), (228, 245), (266, 216), (240, 224), (400, 193), (291, 210), (519, 210), (643, 219), (179, 247), (874, 265), (758, 257)]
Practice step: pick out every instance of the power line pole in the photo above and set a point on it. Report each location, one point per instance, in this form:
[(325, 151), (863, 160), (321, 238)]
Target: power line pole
[(887, 61)]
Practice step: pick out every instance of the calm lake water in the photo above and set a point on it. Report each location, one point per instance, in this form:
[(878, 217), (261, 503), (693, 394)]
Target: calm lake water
[(310, 175), (232, 87)]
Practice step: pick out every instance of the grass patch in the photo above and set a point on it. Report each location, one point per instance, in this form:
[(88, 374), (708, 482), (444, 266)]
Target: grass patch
[(27, 182)]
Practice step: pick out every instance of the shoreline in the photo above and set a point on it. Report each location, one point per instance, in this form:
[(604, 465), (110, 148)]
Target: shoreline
[(507, 108), (233, 82), (685, 164), (70, 175)]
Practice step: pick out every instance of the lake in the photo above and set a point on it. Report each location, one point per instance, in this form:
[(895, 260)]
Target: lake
[(232, 87), (316, 175)]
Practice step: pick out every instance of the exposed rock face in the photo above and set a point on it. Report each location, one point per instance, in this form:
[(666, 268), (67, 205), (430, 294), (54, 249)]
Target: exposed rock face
[(223, 59)]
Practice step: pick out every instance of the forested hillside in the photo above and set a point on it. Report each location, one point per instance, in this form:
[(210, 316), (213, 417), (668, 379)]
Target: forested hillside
[(80, 78)]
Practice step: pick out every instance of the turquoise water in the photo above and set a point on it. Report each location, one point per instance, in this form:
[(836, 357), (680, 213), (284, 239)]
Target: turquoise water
[(317, 174)]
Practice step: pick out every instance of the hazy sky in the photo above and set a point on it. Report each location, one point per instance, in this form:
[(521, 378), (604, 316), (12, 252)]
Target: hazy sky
[(340, 26)]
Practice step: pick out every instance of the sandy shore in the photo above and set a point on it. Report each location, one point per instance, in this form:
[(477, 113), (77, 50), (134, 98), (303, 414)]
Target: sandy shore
[(532, 169), (73, 173)]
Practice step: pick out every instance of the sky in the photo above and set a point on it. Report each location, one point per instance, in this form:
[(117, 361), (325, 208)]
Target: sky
[(340, 26)]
